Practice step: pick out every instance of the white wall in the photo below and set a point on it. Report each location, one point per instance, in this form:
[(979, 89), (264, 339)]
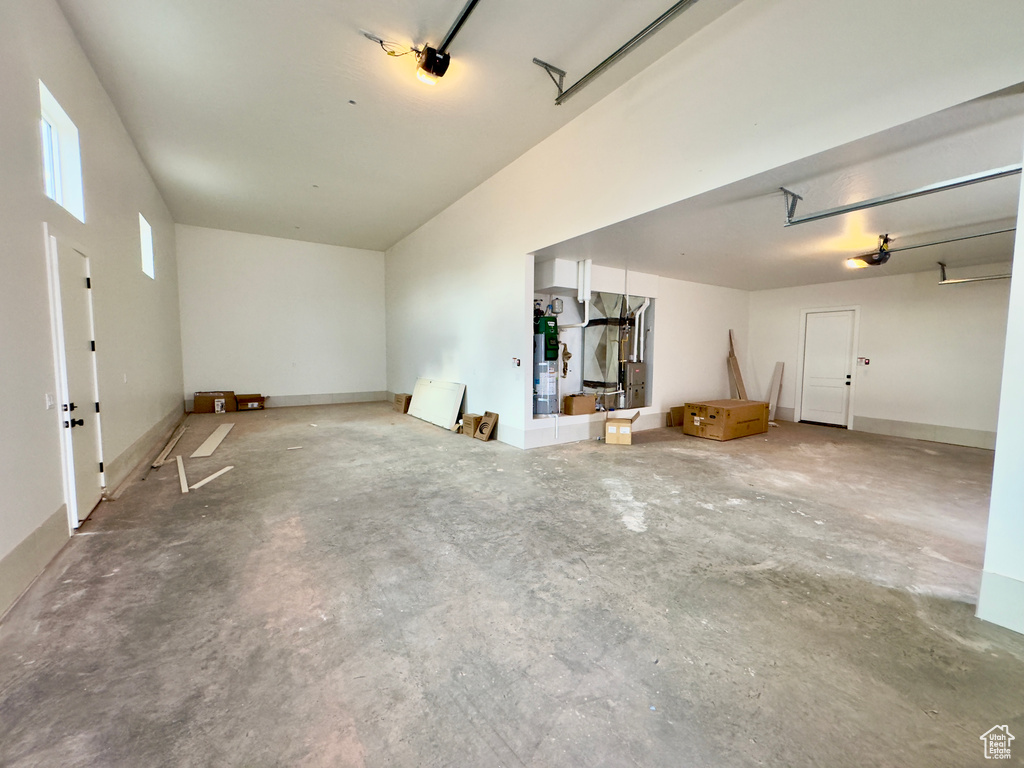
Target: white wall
[(300, 322), (692, 326), (139, 355), (1001, 599), (732, 101), (936, 351)]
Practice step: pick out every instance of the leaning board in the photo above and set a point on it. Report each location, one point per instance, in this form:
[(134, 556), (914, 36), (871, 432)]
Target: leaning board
[(437, 401)]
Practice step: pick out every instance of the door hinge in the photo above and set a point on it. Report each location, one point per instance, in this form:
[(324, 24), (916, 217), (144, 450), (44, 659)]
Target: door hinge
[(92, 345), (88, 282), (101, 466), (97, 407)]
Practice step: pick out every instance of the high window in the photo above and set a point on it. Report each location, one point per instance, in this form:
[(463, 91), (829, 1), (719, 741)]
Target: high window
[(146, 238), (62, 156)]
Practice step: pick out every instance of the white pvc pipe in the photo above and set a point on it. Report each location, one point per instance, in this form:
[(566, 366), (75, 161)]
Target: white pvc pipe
[(582, 293)]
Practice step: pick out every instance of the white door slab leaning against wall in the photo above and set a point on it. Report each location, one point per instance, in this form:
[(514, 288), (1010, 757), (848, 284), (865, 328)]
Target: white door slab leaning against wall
[(827, 380), (75, 366)]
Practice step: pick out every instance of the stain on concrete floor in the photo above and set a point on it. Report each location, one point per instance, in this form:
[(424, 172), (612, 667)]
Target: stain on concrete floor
[(396, 595)]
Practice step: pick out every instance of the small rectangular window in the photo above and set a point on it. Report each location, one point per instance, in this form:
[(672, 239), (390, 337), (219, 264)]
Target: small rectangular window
[(146, 237), (62, 156)]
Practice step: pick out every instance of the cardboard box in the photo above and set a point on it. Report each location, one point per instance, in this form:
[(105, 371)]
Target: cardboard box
[(214, 402), (251, 402), (402, 402), (725, 419), (470, 423), (574, 405), (485, 429), (677, 416), (619, 430)]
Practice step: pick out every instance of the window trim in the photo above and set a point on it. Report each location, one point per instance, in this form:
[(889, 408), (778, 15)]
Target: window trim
[(61, 156)]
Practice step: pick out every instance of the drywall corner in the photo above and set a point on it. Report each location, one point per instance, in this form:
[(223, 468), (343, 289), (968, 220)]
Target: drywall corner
[(119, 468)]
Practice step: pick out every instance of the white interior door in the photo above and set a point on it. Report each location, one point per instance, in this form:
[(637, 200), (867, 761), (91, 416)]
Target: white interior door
[(828, 367), (79, 410)]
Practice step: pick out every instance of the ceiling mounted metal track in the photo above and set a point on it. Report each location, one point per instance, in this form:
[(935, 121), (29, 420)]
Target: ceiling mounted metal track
[(468, 9), (952, 240), (964, 181), (639, 37), (943, 280)]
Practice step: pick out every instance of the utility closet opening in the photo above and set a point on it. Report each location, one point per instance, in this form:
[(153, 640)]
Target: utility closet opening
[(600, 347)]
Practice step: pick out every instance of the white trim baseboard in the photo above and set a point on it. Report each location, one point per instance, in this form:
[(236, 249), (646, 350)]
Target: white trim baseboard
[(935, 433), (1001, 601), (23, 564)]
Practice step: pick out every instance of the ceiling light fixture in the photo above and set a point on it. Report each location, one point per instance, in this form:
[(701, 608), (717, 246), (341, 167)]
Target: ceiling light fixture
[(432, 63), (874, 259)]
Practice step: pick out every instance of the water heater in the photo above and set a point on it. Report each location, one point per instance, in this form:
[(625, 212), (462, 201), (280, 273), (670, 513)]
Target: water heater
[(545, 378)]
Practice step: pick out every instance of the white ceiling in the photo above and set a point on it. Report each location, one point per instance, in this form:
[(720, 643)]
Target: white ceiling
[(278, 117), (734, 236)]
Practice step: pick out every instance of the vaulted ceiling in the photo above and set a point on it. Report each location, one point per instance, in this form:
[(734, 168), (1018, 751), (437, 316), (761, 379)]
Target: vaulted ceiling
[(283, 119), (280, 118)]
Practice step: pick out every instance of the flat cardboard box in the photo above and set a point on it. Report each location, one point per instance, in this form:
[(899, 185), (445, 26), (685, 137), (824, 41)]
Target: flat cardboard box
[(574, 405), (214, 402), (485, 430), (725, 419), (677, 416), (470, 423), (619, 430), (251, 402), (402, 401)]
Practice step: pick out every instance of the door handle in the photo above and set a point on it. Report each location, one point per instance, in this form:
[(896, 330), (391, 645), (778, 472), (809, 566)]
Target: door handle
[(74, 423), (69, 406), (847, 383)]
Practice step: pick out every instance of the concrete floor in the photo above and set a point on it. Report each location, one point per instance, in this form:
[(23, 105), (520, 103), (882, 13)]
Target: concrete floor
[(391, 594)]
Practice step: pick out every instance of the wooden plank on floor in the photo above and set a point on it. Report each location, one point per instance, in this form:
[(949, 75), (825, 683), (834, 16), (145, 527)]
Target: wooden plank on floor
[(162, 458), (181, 474), (214, 440), (214, 476), (773, 391)]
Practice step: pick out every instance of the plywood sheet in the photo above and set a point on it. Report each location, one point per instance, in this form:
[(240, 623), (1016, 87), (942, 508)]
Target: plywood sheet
[(437, 401)]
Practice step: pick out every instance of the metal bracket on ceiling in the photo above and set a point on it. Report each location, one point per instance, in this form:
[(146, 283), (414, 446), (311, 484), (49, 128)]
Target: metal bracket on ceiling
[(960, 280), (552, 70), (639, 37), (791, 200)]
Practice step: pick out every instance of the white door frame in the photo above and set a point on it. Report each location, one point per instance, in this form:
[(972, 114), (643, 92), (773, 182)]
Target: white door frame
[(61, 378), (855, 308)]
